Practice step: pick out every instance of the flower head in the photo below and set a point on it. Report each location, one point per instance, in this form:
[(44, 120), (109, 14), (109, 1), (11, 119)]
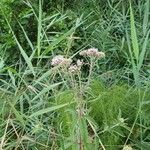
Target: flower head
[(74, 69), (83, 53), (100, 55), (60, 60), (57, 60), (92, 52), (66, 62)]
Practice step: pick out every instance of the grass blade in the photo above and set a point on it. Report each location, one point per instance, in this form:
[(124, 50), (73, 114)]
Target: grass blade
[(54, 43), (142, 54), (26, 36), (17, 114), (46, 110), (45, 90), (134, 35), (134, 68), (23, 53), (46, 74), (146, 16), (39, 28)]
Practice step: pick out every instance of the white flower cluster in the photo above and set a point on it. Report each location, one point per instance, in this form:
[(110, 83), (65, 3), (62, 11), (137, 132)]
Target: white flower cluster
[(92, 52), (75, 68), (60, 60)]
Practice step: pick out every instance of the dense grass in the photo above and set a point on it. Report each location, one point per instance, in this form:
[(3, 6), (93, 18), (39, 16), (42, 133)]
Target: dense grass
[(104, 105)]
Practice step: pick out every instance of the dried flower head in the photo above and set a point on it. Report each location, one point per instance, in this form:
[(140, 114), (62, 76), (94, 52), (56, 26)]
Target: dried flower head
[(127, 147), (60, 60), (74, 69), (92, 52)]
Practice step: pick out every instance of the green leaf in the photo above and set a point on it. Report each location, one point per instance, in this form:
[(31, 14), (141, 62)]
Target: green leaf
[(144, 48), (17, 114), (12, 78), (23, 53), (46, 74), (45, 90), (59, 39), (1, 64), (134, 35), (39, 28), (47, 110), (146, 16)]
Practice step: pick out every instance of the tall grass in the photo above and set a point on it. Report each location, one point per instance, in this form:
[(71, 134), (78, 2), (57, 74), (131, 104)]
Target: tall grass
[(45, 107), (137, 55)]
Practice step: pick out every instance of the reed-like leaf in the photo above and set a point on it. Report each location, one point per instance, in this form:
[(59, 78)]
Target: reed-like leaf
[(146, 17), (134, 36)]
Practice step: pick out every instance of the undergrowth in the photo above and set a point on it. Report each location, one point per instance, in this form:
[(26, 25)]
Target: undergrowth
[(58, 92)]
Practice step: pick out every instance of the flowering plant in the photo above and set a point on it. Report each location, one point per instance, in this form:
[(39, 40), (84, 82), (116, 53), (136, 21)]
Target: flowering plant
[(72, 73)]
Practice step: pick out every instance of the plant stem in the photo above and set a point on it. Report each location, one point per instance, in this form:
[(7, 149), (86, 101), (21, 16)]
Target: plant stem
[(90, 71)]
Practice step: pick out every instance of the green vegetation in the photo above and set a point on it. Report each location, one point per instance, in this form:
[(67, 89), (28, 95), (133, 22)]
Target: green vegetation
[(57, 92)]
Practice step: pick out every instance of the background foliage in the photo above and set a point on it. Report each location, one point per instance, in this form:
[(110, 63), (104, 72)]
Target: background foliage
[(33, 31)]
